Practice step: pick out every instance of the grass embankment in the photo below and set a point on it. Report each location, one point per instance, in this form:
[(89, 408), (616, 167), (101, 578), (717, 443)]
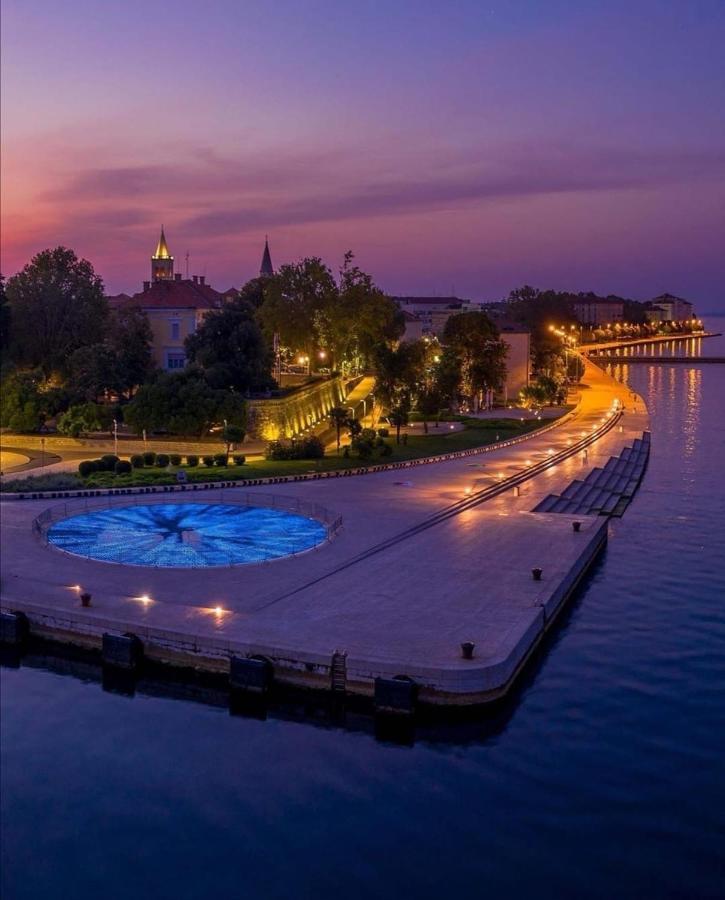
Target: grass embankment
[(476, 433)]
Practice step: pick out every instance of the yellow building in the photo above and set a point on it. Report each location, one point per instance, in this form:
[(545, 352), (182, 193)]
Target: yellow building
[(175, 306)]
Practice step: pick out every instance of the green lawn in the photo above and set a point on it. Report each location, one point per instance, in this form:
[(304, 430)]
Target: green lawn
[(477, 433)]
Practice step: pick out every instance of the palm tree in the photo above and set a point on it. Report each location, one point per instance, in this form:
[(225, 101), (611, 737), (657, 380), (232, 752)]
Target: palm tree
[(398, 418), (338, 418)]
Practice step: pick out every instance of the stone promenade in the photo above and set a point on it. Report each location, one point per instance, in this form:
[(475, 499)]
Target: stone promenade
[(402, 611)]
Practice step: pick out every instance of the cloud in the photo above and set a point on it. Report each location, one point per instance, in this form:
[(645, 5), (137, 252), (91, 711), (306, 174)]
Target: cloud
[(522, 172), (210, 195)]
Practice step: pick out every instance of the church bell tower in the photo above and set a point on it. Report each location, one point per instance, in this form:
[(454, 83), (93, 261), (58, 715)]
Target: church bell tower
[(162, 262)]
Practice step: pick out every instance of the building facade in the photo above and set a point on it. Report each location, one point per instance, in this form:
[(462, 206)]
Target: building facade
[(176, 306), (599, 310), (668, 308)]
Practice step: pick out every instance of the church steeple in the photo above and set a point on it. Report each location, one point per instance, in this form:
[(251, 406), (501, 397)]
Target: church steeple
[(266, 268), (162, 262)]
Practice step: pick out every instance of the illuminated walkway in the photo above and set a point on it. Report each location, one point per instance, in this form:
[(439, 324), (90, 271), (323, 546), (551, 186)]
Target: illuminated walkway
[(402, 610)]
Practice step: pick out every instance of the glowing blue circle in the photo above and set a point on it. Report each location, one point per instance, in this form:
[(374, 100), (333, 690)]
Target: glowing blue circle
[(186, 535)]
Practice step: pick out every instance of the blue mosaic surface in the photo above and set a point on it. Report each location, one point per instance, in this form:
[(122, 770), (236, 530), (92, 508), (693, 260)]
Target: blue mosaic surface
[(186, 535)]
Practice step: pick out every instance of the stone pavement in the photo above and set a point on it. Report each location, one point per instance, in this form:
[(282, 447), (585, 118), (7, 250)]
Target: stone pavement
[(404, 610)]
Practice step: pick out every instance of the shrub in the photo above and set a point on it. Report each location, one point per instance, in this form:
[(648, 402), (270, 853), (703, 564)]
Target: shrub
[(192, 460), (386, 449), (82, 418), (88, 467), (175, 459), (239, 459), (149, 458), (208, 461), (363, 448), (162, 461), (221, 459), (313, 448), (108, 462), (368, 434), (123, 467), (383, 432), (137, 461), (307, 448)]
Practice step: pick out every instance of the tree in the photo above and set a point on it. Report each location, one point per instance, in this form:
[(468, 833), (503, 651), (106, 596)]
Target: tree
[(428, 403), (398, 418), (231, 349), (27, 401), (353, 426), (91, 373), (533, 395), (473, 337), (338, 417), (183, 403), (117, 364), (57, 305), (233, 435), (538, 311), (128, 341), (357, 319), (83, 418), (294, 300), (398, 371), (448, 377)]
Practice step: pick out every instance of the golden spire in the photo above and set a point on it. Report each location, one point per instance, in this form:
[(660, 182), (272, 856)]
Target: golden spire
[(162, 250)]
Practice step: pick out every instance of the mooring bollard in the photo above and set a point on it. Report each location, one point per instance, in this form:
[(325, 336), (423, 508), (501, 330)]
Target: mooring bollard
[(85, 599), (251, 674), (537, 572), (395, 696), (577, 526), (14, 628), (121, 651), (467, 649), (517, 491)]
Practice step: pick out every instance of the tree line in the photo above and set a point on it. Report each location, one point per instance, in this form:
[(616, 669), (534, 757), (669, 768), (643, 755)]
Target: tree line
[(67, 356)]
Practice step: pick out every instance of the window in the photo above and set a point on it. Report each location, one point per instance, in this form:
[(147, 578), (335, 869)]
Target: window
[(175, 330), (175, 360)]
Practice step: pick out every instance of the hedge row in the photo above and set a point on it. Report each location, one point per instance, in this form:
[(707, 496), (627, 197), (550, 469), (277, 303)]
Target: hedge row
[(111, 463)]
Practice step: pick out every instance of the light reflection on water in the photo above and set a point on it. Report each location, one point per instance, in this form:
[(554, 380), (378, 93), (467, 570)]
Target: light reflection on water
[(604, 778)]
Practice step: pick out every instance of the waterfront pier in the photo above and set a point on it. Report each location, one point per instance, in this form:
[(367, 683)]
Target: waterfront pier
[(428, 559)]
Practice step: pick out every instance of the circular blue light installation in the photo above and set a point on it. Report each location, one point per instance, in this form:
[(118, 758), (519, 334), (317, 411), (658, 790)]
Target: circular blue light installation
[(186, 535)]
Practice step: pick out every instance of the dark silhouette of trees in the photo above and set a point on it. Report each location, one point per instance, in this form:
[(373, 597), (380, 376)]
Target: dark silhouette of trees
[(338, 417), (57, 305), (184, 403), (474, 340), (231, 349)]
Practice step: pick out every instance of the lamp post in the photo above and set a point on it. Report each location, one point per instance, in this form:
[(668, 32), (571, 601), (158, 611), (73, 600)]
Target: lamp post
[(115, 437)]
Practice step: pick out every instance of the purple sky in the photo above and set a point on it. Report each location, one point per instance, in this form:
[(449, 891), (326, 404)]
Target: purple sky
[(458, 146)]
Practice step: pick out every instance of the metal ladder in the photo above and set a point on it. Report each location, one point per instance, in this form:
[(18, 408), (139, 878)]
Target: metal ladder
[(338, 672)]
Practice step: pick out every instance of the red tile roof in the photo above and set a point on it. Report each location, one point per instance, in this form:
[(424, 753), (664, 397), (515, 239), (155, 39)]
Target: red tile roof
[(183, 294)]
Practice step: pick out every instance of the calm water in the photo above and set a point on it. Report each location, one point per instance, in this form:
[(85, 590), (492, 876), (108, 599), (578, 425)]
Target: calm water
[(604, 778)]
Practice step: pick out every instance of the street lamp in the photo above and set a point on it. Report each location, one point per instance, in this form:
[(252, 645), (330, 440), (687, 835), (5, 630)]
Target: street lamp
[(115, 437)]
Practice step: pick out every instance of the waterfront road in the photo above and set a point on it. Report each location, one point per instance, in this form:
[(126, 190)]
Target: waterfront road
[(404, 609)]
